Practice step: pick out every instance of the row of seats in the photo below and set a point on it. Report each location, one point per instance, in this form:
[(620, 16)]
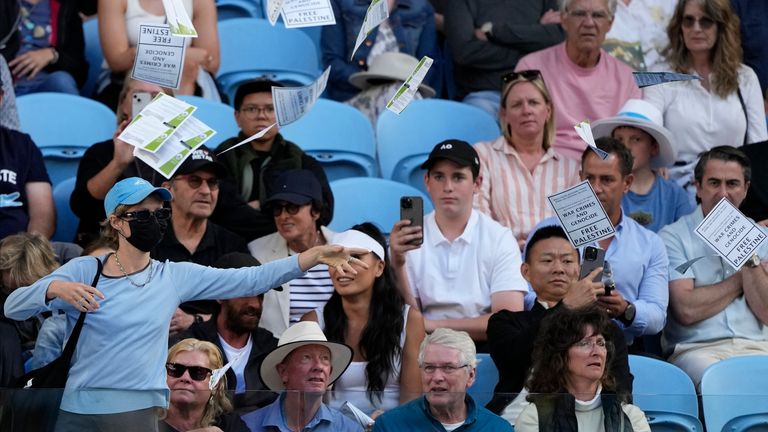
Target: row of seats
[(734, 393)]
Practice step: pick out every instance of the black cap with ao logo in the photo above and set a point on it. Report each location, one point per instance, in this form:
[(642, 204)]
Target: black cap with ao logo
[(454, 150), (202, 159)]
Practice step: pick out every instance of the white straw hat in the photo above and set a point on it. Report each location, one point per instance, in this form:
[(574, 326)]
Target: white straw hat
[(391, 66), (298, 335), (646, 117)]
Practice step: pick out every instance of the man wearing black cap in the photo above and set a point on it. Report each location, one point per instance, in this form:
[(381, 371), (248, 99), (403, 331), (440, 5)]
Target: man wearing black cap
[(256, 166), (190, 235), (468, 265), (235, 331)]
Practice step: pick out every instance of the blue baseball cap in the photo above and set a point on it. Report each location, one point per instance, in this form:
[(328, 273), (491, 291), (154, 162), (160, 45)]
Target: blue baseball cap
[(132, 191)]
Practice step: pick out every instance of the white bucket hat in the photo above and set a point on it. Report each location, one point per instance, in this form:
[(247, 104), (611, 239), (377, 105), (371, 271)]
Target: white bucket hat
[(392, 66), (298, 335), (646, 117)]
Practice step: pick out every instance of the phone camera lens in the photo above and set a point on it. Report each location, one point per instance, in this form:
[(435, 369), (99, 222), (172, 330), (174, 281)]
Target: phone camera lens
[(591, 254), (406, 203)]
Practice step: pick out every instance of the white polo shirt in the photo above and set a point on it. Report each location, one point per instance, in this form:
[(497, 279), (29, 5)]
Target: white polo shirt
[(454, 280)]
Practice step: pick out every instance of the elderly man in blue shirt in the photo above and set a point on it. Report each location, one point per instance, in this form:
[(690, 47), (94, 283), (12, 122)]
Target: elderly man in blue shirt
[(716, 312), (302, 367)]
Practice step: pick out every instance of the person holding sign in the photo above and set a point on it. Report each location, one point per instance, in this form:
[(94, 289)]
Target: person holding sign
[(716, 312), (522, 167), (637, 255)]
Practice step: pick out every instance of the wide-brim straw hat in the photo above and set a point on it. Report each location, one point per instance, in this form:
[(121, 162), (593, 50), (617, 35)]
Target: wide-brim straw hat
[(391, 66)]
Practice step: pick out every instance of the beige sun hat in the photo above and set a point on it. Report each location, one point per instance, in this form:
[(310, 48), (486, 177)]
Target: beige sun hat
[(646, 117), (298, 335), (391, 66)]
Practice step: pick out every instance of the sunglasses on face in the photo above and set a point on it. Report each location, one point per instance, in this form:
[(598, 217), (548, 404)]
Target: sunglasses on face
[(196, 181), (197, 373), (292, 209), (528, 75), (160, 214), (705, 23)]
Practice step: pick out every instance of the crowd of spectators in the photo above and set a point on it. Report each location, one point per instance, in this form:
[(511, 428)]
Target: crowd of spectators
[(275, 321)]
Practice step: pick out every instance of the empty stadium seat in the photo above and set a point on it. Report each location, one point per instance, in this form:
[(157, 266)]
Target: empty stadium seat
[(734, 394), (252, 47), (93, 55), (370, 199), (63, 126), (66, 221), (217, 115), (485, 381), (338, 136), (404, 141), (666, 394), (229, 9)]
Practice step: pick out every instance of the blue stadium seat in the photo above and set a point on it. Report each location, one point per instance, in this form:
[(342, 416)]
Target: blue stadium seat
[(66, 221), (63, 126), (219, 116), (404, 141), (229, 9), (93, 55), (485, 381), (338, 136), (734, 394), (666, 394), (252, 47), (370, 199)]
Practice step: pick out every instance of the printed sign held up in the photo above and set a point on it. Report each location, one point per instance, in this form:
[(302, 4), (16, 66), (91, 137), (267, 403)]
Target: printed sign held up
[(581, 214)]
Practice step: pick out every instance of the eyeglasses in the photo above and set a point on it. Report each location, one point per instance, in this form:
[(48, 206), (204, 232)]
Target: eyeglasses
[(588, 345), (197, 373), (292, 209), (255, 110), (160, 214), (447, 369), (582, 15), (529, 75), (196, 181), (705, 23)]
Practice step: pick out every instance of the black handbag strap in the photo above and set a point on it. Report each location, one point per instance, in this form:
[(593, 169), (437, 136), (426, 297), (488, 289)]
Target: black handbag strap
[(746, 116), (69, 349)]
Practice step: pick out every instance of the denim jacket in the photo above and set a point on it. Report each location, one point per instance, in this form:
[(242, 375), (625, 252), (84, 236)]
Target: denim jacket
[(412, 22)]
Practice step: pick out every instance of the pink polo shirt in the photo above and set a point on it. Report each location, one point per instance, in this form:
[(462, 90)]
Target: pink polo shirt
[(581, 93)]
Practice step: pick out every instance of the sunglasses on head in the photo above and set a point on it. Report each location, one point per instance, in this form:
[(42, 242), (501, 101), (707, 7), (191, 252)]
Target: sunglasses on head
[(528, 75), (292, 209), (160, 214), (197, 373), (705, 23)]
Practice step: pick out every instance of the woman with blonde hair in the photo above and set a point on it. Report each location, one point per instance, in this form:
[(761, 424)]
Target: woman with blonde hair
[(724, 106), (195, 404), (521, 167)]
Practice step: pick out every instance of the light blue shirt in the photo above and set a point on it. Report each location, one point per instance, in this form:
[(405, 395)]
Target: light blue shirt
[(665, 203), (736, 320), (271, 418), (118, 365)]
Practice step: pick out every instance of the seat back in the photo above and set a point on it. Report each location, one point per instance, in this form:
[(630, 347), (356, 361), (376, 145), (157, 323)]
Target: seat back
[(229, 9), (338, 136), (217, 115), (404, 141), (66, 221), (63, 126), (735, 392), (93, 56), (485, 381), (370, 199), (252, 47)]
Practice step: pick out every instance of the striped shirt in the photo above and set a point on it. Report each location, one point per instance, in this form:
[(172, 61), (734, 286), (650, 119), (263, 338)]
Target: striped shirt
[(512, 195), (310, 291)]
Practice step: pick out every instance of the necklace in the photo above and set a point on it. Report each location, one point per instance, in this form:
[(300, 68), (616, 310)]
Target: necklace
[(120, 266)]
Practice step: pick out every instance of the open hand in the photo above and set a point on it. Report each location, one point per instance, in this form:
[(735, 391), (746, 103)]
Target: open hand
[(79, 295)]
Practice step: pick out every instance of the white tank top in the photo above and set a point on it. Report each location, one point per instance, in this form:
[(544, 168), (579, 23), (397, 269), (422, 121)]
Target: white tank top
[(352, 384)]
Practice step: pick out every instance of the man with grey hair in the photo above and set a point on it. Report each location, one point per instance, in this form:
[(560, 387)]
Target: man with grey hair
[(585, 81), (447, 361)]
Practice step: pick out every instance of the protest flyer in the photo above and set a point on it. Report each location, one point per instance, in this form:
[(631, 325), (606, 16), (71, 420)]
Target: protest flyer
[(186, 138), (584, 130), (159, 56), (730, 234), (255, 136), (377, 12), (581, 214), (178, 19), (647, 79), (291, 103), (273, 10), (404, 95), (156, 122), (307, 13)]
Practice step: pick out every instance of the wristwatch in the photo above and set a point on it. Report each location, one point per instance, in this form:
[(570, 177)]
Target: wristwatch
[(628, 316), (198, 319), (753, 261), (487, 28)]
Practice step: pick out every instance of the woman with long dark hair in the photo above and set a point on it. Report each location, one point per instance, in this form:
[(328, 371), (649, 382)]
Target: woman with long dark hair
[(367, 312)]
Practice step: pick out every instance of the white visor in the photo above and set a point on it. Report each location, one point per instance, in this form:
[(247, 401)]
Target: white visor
[(357, 239)]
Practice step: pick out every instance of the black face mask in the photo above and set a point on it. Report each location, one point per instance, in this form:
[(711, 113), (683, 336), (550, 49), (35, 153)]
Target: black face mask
[(145, 235)]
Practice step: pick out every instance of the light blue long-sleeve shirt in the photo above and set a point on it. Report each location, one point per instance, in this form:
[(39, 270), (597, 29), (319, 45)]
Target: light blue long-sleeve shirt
[(118, 365)]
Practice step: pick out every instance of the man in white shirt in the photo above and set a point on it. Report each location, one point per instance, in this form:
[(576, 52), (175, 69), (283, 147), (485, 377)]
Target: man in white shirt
[(466, 265)]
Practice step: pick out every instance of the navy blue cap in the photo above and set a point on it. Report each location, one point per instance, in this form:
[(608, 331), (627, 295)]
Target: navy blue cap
[(297, 186)]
